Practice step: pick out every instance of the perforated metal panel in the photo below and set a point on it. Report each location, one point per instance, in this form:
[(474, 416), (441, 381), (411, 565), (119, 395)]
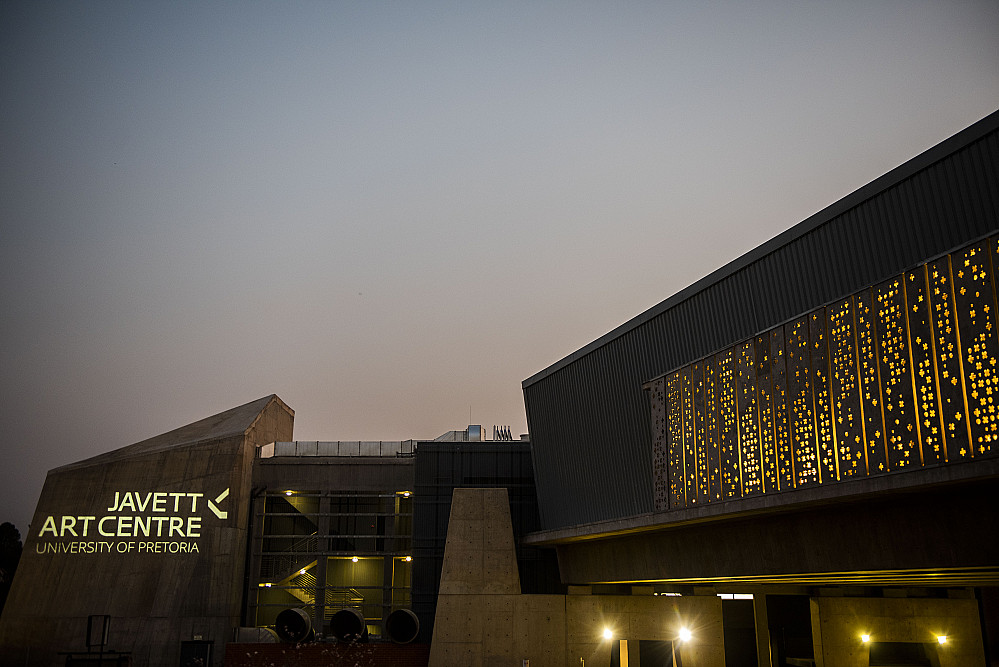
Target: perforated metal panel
[(898, 348)]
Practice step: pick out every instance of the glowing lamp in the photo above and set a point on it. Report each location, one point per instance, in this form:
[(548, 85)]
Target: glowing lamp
[(353, 559), (608, 633), (685, 635), (408, 559), (865, 638), (942, 639)]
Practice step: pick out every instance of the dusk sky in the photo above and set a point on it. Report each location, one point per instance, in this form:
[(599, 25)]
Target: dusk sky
[(391, 214)]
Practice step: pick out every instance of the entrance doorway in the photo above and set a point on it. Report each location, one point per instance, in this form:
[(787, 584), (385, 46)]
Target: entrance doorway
[(644, 653)]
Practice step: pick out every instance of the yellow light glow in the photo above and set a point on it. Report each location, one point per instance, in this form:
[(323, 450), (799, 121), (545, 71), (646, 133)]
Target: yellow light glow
[(288, 493), (608, 633), (354, 559), (267, 585), (865, 638), (685, 635), (302, 571), (408, 559), (942, 639)]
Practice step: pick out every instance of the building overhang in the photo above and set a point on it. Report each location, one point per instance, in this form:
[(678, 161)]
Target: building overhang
[(844, 492)]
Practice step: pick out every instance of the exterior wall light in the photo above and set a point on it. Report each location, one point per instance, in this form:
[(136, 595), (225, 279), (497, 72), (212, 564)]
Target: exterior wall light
[(608, 633), (302, 571), (941, 639), (408, 559), (353, 559), (685, 635), (288, 493), (865, 638)]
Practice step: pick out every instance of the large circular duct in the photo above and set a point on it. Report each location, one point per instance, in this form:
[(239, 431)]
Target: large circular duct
[(348, 625), (402, 626), (293, 625)]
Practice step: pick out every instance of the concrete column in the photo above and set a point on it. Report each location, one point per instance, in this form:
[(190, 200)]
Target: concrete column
[(763, 657), (323, 546), (255, 543)]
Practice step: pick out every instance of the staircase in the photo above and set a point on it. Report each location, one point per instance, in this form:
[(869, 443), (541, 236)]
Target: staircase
[(294, 558)]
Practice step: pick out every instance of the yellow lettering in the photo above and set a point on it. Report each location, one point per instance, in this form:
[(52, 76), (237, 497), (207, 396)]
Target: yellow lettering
[(50, 526), (100, 526), (127, 501), (176, 500), (142, 505), (68, 525)]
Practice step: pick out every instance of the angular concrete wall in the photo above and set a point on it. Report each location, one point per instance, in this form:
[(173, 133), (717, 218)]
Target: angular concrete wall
[(479, 556), (153, 535)]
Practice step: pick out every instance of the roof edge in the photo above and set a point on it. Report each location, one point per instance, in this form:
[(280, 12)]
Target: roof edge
[(907, 169), (229, 423)]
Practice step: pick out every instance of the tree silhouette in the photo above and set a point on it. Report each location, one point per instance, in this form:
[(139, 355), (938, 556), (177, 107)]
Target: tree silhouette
[(10, 554)]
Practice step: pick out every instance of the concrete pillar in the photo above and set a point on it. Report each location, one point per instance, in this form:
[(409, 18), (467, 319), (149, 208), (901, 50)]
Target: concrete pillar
[(763, 657), (323, 532)]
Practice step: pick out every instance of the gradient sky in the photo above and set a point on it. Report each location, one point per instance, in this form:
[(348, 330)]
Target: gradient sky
[(392, 213)]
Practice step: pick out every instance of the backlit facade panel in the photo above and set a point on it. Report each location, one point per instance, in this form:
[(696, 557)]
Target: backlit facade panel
[(899, 375)]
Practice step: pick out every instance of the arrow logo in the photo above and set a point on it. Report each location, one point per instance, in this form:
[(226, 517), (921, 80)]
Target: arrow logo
[(219, 513)]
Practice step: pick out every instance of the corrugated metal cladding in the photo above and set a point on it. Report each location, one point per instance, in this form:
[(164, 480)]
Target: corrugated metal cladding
[(588, 414)]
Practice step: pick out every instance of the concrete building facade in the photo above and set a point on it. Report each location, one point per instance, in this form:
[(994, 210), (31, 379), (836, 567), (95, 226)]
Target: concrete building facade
[(152, 536)]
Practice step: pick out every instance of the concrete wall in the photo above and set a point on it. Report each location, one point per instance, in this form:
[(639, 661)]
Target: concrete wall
[(491, 630), (644, 617), (483, 620), (159, 590), (837, 624)]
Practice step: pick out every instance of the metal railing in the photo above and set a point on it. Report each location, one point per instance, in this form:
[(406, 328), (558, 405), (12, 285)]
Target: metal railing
[(343, 448)]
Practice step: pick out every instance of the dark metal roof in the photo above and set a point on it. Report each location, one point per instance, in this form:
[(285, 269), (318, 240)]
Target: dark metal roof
[(588, 415)]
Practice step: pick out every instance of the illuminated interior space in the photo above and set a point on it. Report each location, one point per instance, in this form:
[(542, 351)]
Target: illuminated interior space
[(330, 551)]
